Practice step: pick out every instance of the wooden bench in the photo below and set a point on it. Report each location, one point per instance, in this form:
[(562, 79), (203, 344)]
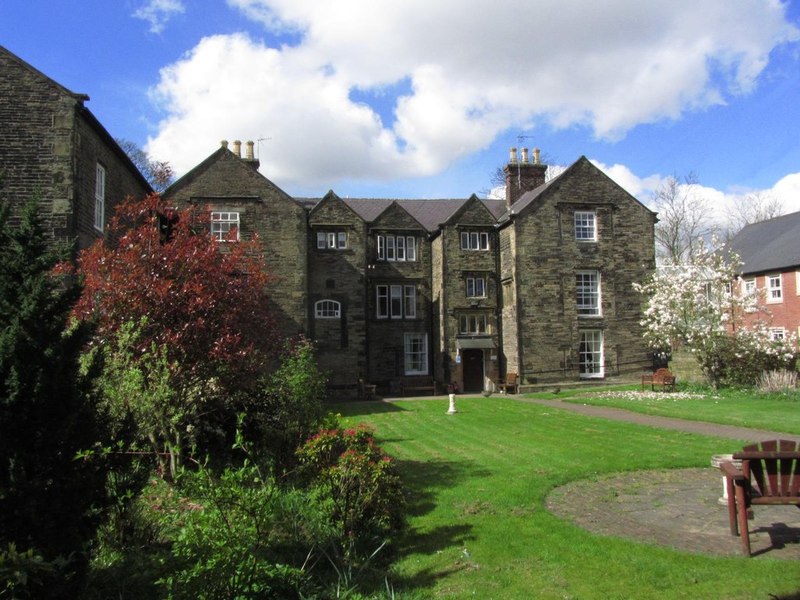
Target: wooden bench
[(411, 386), (510, 385), (662, 378), (770, 475)]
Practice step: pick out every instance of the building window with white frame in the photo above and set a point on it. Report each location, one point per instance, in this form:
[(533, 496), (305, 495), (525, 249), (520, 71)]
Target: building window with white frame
[(774, 288), (590, 354), (397, 248), (416, 354), (777, 333), (587, 293), (327, 309), (476, 287), (396, 301), (474, 240), (100, 197), (585, 226), (473, 324), (331, 240), (225, 226)]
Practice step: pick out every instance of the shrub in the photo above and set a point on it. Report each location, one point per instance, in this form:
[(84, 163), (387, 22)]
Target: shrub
[(361, 490), (289, 409), (236, 536)]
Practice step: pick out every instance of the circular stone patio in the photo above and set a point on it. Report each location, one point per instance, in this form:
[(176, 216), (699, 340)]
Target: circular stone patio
[(678, 508)]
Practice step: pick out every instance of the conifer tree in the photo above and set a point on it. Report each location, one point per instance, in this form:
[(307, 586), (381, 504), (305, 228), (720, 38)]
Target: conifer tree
[(47, 412)]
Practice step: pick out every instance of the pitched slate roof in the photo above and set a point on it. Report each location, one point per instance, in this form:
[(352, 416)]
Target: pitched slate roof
[(430, 213), (769, 245)]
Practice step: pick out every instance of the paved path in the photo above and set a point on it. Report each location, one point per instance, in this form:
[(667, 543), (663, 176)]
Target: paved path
[(701, 427)]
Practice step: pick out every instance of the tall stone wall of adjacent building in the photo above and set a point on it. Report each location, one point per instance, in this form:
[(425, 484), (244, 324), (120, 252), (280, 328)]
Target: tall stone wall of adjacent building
[(37, 137), (235, 185), (338, 274), (548, 257)]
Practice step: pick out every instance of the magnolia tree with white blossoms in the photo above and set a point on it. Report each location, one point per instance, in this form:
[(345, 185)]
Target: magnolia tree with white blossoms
[(701, 306)]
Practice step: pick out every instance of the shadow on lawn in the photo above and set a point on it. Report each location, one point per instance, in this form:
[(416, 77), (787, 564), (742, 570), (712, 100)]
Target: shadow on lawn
[(372, 407)]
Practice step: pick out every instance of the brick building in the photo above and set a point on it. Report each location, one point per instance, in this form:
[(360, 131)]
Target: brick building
[(770, 252), (459, 290), (53, 148)]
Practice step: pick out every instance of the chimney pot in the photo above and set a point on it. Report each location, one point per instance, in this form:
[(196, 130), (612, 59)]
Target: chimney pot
[(524, 156), (237, 148), (224, 143), (249, 154), (512, 157), (536, 160)]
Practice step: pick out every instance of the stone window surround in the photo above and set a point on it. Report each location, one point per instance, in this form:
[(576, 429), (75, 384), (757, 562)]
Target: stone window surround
[(415, 353), (474, 323), (395, 301), (475, 286), (396, 248), (327, 309), (585, 223), (222, 222), (474, 240), (588, 297), (331, 240), (100, 197)]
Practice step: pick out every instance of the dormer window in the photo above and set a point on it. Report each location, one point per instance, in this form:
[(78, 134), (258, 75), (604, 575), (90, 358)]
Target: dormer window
[(474, 240), (331, 240), (397, 248), (585, 226)]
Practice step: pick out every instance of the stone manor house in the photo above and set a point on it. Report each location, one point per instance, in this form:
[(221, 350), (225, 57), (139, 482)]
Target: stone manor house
[(459, 292)]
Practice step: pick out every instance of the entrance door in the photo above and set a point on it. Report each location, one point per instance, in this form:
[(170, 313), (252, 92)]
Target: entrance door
[(472, 362)]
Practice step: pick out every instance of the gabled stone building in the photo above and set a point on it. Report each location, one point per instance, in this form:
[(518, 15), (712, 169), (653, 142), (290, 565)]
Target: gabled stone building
[(54, 149), (462, 291)]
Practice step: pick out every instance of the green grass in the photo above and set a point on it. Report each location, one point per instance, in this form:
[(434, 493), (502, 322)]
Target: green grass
[(479, 528), (773, 412)]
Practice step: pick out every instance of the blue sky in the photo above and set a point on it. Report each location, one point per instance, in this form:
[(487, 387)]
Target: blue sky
[(424, 99)]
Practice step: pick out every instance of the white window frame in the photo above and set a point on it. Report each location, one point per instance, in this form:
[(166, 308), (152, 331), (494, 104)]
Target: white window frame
[(475, 240), (327, 309), (591, 360), (585, 225), (777, 333), (100, 197), (331, 240), (222, 222), (395, 301), (588, 298), (397, 248), (473, 323), (749, 285), (774, 288), (415, 353), (749, 293), (476, 287)]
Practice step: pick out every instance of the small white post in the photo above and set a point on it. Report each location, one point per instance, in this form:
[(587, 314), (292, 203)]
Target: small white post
[(452, 409)]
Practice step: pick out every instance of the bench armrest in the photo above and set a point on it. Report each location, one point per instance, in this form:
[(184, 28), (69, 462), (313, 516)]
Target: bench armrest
[(729, 470)]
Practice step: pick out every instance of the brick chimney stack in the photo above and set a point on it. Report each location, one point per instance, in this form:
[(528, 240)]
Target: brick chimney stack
[(249, 156), (522, 176)]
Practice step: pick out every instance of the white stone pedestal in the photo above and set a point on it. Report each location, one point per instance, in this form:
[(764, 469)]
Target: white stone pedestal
[(452, 409), (716, 461)]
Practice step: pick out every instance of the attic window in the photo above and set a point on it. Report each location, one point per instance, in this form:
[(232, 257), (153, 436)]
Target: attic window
[(331, 240), (225, 226), (585, 226), (474, 240)]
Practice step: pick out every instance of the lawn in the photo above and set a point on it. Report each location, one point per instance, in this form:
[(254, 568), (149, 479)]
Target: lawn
[(773, 412), (477, 487)]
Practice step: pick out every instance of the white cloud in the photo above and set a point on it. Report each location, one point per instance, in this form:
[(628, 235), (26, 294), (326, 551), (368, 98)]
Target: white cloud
[(159, 12), (723, 204), (473, 74)]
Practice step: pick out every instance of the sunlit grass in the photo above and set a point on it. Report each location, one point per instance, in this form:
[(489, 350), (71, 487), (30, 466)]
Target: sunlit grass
[(743, 408), (479, 528)]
